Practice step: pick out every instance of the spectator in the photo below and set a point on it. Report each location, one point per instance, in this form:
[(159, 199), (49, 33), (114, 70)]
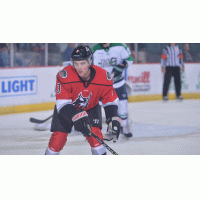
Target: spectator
[(66, 55), (171, 60), (131, 47), (37, 47), (53, 47), (188, 54), (4, 55)]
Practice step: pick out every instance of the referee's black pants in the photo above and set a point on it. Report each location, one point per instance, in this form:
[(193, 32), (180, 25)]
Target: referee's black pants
[(176, 73)]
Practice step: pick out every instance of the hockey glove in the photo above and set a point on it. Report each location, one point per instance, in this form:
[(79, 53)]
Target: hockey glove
[(121, 67), (113, 129), (118, 69), (81, 123)]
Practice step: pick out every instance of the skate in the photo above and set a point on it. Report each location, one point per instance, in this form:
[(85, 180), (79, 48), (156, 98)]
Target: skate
[(126, 132)]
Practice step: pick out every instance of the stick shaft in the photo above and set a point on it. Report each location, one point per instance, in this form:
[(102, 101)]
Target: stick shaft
[(38, 121)]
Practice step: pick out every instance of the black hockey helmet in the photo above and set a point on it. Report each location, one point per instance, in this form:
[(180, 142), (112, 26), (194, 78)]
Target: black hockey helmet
[(82, 53)]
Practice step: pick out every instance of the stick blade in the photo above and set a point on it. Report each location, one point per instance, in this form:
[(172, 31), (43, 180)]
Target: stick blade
[(33, 120), (38, 121)]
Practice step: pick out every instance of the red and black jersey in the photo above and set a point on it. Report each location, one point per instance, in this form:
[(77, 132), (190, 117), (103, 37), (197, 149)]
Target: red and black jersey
[(71, 89)]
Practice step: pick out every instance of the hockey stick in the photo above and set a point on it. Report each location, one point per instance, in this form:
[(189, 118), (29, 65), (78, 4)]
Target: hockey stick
[(103, 143), (38, 121)]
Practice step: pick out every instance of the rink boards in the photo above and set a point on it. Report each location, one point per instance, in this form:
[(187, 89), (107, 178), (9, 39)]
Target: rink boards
[(33, 88), (146, 81)]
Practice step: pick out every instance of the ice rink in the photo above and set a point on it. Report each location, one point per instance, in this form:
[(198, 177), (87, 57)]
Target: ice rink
[(159, 128)]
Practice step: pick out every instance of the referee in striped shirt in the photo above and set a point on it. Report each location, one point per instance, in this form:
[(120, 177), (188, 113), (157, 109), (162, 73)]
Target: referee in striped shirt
[(172, 65)]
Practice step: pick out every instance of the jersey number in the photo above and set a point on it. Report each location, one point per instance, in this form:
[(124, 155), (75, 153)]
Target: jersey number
[(58, 88)]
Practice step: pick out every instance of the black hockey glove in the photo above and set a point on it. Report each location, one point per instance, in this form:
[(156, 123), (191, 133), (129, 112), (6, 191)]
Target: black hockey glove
[(113, 130), (118, 69), (81, 123), (123, 65)]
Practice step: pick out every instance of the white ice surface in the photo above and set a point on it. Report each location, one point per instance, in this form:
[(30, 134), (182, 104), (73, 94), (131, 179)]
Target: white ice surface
[(159, 128)]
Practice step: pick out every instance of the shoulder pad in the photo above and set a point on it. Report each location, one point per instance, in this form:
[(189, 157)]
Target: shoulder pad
[(65, 74)]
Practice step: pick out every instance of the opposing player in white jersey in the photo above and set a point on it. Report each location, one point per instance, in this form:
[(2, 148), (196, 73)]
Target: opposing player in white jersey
[(115, 57)]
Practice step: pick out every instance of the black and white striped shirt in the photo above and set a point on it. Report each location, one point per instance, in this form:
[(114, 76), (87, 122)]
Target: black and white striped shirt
[(172, 56)]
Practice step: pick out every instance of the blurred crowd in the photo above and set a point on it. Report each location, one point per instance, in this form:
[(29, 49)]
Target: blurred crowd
[(33, 54)]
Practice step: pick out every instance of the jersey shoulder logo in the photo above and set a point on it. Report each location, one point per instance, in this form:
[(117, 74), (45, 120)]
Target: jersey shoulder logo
[(63, 74), (109, 76), (81, 102)]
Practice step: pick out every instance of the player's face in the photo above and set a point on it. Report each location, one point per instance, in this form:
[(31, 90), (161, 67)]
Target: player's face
[(82, 68), (106, 45)]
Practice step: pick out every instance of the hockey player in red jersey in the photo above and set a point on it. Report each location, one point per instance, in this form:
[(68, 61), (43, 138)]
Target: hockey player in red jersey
[(79, 88)]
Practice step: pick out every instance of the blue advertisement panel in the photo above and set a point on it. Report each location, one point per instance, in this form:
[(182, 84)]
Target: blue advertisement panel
[(18, 86)]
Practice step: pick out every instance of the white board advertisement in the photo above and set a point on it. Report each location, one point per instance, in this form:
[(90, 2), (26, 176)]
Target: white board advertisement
[(147, 79), (19, 86)]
